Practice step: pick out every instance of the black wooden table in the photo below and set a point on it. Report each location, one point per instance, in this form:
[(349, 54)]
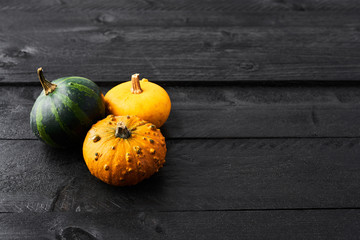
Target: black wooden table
[(263, 138)]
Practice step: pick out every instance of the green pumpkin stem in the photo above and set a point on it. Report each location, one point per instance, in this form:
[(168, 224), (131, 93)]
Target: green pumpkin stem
[(122, 131), (135, 81), (47, 86)]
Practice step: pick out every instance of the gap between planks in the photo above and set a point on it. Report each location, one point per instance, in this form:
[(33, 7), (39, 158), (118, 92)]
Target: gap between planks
[(216, 83)]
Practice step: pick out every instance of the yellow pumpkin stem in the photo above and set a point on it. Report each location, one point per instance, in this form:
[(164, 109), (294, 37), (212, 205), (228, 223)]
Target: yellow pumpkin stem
[(135, 81), (47, 86), (122, 131)]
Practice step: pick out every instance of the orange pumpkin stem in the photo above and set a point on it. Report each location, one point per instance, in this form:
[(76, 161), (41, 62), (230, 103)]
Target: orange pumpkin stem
[(122, 131), (47, 86), (135, 81)]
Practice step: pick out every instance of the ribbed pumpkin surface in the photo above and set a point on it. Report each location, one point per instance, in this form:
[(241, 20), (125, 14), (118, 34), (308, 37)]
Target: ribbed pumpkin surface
[(63, 117)]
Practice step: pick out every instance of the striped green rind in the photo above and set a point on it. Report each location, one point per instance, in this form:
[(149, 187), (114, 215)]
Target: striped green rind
[(74, 107), (63, 117), (36, 122), (64, 127), (42, 128), (88, 92)]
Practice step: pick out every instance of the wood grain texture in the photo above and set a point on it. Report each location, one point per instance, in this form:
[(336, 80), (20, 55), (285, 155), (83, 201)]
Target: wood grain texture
[(199, 175), (324, 224), (226, 111), (246, 159), (184, 5), (227, 41)]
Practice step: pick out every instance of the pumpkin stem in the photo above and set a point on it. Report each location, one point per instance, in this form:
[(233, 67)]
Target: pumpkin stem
[(135, 81), (122, 131), (47, 86)]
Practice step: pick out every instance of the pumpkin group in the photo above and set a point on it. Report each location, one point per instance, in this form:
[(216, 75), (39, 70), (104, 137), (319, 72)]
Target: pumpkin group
[(144, 99), (65, 110), (124, 150)]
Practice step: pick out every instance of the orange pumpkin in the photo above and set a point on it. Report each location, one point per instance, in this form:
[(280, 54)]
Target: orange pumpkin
[(144, 99), (124, 150)]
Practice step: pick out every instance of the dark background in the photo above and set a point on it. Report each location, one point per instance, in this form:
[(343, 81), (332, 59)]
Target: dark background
[(263, 137)]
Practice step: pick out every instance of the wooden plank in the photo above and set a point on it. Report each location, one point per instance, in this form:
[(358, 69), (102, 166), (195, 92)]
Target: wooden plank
[(199, 175), (312, 224), (184, 5), (107, 45), (226, 111)]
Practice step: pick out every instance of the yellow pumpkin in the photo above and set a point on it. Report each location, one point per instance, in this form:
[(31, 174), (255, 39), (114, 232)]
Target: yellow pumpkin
[(144, 99), (124, 150)]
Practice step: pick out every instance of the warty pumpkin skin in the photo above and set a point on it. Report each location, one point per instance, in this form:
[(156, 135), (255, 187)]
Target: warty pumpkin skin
[(124, 150), (144, 99)]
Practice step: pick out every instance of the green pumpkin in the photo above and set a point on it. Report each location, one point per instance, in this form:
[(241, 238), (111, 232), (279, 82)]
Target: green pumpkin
[(66, 110)]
